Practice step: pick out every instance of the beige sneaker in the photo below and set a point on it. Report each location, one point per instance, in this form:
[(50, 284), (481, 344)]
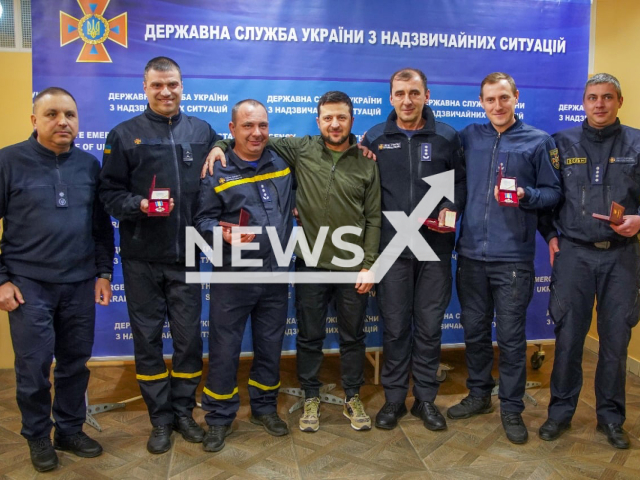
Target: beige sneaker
[(354, 411), (309, 421)]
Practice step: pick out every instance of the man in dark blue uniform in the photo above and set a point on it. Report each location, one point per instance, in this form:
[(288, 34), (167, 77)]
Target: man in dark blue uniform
[(496, 248), (256, 182), (594, 259), (170, 147), (413, 295), (57, 239)]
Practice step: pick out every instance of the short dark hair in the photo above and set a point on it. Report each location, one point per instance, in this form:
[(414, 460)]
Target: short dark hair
[(162, 64), (495, 77), (599, 78), (407, 74), (52, 91), (335, 97), (250, 101)]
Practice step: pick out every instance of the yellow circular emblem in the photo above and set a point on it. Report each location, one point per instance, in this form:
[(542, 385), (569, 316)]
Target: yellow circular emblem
[(93, 29)]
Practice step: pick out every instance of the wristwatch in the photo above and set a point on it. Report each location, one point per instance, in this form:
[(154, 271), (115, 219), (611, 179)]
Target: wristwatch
[(106, 276)]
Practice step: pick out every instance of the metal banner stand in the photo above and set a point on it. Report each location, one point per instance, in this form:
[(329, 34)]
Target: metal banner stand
[(325, 397), (101, 408)]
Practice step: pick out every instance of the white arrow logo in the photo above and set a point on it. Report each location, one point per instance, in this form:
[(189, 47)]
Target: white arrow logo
[(407, 235)]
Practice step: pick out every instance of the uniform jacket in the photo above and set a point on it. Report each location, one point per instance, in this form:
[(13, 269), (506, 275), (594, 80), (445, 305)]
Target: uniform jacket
[(597, 167), (174, 150), (344, 194), (263, 192), (490, 232), (54, 228), (404, 162)]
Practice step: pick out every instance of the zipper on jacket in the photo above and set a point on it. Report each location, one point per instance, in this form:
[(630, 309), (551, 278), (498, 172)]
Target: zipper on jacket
[(410, 178), (489, 197), (177, 197), (583, 199), (58, 171)]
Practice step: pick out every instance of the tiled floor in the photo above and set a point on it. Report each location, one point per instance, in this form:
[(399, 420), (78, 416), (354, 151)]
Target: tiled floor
[(473, 448)]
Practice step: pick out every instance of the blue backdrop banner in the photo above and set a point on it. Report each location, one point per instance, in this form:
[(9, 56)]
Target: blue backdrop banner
[(286, 54)]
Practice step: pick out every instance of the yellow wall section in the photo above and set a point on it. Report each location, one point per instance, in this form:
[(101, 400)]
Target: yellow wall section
[(617, 37), (15, 77), (616, 41)]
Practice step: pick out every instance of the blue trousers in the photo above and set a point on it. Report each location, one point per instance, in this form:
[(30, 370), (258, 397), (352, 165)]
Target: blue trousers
[(506, 288), (228, 311), (580, 275), (57, 319)]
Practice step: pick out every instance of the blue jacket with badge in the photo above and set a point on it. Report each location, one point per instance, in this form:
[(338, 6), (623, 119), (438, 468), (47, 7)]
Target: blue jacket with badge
[(263, 191), (598, 166), (493, 233), (171, 149), (403, 163)]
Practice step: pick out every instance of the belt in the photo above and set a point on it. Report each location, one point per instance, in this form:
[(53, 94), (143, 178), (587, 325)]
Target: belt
[(604, 245)]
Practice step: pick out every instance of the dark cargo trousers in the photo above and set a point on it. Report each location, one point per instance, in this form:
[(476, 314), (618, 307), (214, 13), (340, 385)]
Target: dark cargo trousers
[(580, 275), (507, 288), (156, 291)]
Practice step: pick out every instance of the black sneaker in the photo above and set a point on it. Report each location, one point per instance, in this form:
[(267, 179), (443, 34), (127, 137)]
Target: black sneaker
[(79, 444), (470, 406), (616, 436), (272, 423), (160, 439), (213, 440), (430, 415), (389, 415), (514, 427), (189, 429), (43, 456), (551, 430)]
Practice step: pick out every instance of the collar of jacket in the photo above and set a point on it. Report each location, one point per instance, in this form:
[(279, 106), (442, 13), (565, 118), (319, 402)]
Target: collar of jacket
[(429, 126), (491, 130), (600, 134), (42, 150), (353, 143), (266, 157), (156, 117)]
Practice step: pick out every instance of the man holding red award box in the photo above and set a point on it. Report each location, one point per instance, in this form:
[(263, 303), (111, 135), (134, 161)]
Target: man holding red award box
[(254, 189), (511, 174), (150, 182)]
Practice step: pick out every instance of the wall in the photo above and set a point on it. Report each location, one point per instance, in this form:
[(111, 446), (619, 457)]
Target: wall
[(15, 76), (616, 38)]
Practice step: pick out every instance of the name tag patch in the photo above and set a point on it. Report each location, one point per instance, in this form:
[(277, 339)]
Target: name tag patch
[(575, 161), (389, 146), (627, 160)]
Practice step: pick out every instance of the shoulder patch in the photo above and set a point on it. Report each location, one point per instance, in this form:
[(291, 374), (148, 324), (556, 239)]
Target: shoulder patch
[(574, 161), (555, 158)]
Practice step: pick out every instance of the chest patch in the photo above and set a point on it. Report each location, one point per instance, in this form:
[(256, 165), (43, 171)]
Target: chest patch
[(389, 146), (575, 161), (230, 178)]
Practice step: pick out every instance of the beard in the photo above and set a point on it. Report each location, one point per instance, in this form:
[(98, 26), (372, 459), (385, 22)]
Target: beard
[(327, 140)]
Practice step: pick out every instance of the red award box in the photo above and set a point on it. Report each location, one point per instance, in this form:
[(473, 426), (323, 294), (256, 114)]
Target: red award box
[(507, 190), (449, 223), (159, 200), (615, 215), (243, 220)]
